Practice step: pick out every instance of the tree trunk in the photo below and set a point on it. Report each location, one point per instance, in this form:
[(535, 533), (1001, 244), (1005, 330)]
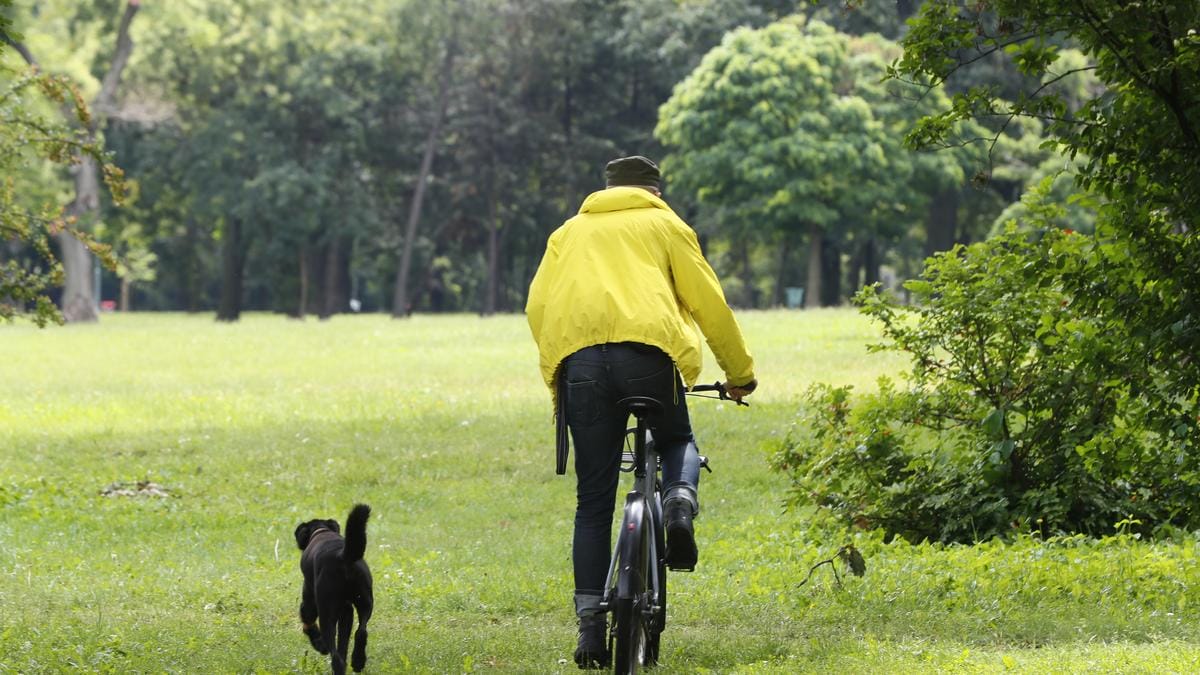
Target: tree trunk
[(863, 267), (812, 291), (750, 293), (942, 225), (502, 304), (191, 272), (302, 308), (233, 260), (78, 299), (493, 272), (434, 289), (400, 300), (781, 271), (331, 287), (870, 260), (493, 219), (831, 271), (854, 267), (126, 288)]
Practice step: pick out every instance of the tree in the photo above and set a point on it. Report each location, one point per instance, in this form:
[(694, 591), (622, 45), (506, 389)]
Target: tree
[(78, 302), (401, 303), (1136, 141), (1054, 378), (28, 140), (788, 133)]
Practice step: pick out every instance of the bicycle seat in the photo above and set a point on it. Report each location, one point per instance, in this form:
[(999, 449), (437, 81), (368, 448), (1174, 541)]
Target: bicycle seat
[(641, 405)]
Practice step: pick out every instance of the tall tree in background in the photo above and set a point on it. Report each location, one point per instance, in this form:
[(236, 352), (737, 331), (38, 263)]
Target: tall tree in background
[(401, 303), (78, 300), (787, 131)]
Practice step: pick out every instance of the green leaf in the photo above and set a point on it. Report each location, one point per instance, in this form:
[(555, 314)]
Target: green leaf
[(994, 422)]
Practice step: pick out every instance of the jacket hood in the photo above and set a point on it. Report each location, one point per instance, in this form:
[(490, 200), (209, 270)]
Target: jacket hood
[(621, 198)]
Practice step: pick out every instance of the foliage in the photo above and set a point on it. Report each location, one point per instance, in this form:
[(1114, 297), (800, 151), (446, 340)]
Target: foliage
[(293, 133), (1054, 381), (27, 141), (1052, 198), (6, 29), (788, 128), (297, 132), (1010, 416), (1137, 144)]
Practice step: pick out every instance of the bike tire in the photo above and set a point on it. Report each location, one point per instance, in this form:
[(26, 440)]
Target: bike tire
[(631, 621), (630, 652)]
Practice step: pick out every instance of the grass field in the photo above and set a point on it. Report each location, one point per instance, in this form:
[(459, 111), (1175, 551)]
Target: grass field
[(443, 426)]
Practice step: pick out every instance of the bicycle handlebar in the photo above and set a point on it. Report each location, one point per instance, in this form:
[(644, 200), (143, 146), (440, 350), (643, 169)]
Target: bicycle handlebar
[(719, 389)]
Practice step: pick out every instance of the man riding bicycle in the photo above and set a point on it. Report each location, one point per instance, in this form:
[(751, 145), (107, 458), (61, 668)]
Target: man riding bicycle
[(613, 308)]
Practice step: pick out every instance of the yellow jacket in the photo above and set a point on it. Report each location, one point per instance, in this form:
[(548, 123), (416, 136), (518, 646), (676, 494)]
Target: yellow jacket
[(627, 269)]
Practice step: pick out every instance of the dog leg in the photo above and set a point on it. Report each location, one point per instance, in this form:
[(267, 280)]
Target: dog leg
[(329, 627), (344, 623), (358, 658), (308, 620)]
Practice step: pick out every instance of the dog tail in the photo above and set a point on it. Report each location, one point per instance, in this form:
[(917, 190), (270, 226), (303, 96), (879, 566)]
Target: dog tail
[(356, 533)]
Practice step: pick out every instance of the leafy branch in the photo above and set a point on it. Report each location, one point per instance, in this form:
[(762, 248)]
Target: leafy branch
[(25, 139), (850, 557)]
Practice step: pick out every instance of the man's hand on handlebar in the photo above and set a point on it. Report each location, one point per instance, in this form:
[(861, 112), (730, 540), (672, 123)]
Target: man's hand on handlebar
[(738, 392)]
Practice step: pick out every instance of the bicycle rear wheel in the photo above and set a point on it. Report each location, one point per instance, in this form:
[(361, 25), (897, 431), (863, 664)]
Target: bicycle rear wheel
[(632, 637), (632, 623)]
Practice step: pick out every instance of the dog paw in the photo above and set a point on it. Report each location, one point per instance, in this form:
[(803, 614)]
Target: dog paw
[(357, 661), (314, 636)]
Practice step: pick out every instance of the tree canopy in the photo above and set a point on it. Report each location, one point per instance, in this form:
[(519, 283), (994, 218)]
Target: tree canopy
[(405, 156), (788, 132)]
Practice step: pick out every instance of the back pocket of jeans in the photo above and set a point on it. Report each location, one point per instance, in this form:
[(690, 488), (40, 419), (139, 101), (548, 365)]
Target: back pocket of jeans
[(658, 385), (583, 404)]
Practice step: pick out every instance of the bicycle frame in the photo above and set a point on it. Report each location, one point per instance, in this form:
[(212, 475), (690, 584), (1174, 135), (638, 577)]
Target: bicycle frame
[(643, 511)]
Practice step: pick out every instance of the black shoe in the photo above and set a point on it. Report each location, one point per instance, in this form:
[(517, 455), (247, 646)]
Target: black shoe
[(681, 539), (592, 651)]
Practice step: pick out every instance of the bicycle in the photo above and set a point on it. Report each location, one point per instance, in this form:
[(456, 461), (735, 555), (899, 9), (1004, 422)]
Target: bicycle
[(636, 586)]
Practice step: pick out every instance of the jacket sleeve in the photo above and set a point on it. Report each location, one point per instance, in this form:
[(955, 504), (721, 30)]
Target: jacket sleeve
[(698, 288), (535, 305)]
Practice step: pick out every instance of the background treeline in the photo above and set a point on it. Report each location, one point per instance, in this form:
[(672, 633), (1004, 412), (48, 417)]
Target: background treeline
[(414, 156)]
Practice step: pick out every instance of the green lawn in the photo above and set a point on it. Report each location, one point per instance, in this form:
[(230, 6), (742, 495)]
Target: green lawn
[(443, 426)]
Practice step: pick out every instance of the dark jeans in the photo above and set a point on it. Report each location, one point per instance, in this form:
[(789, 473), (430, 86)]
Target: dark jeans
[(596, 378)]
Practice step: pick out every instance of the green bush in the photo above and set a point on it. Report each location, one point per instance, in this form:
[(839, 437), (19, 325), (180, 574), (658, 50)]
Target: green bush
[(1015, 414)]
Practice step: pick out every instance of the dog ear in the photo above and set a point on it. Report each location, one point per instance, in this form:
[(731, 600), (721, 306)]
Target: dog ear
[(332, 525), (303, 534)]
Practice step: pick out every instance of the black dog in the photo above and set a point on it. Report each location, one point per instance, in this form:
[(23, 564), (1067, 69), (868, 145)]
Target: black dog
[(336, 582)]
